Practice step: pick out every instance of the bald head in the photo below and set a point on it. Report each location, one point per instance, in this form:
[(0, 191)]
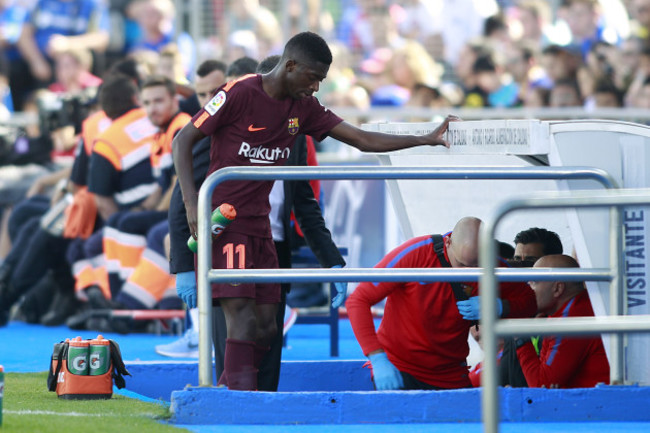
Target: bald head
[(556, 261), (551, 295), (462, 245)]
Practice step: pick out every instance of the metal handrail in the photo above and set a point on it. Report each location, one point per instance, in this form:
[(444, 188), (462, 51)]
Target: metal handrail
[(491, 327), (205, 275)]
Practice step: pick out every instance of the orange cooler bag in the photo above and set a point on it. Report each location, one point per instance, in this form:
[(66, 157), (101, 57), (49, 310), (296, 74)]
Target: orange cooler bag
[(86, 369)]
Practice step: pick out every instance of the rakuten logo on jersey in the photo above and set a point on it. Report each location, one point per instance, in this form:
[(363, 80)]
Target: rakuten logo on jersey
[(263, 155)]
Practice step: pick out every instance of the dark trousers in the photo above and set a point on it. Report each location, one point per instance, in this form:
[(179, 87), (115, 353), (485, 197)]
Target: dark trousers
[(268, 376), (43, 253), (33, 207)]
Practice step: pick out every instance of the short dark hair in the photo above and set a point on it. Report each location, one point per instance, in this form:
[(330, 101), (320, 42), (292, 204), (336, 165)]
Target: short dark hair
[(242, 66), (128, 67), (506, 251), (484, 63), (569, 82), (550, 240), (606, 85), (160, 80), (268, 64), (308, 46), (554, 50), (209, 66), (117, 95), (493, 24)]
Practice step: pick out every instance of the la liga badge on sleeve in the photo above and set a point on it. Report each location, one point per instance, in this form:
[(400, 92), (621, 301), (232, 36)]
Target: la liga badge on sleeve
[(216, 103)]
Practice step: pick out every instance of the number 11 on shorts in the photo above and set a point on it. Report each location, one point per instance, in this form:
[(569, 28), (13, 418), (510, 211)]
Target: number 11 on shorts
[(229, 250)]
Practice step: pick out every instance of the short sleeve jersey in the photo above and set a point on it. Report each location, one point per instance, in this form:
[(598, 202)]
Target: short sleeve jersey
[(249, 128)]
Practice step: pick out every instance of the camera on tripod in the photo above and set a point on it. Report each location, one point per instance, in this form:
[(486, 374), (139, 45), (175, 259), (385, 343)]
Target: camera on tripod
[(56, 111)]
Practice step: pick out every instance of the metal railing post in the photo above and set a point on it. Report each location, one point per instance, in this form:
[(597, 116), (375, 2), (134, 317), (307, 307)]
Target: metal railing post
[(617, 290), (488, 284)]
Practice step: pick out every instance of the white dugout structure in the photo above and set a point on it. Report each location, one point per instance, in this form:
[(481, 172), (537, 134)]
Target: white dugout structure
[(620, 148)]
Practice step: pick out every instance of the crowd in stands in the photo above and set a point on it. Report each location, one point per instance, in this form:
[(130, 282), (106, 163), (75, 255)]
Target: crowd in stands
[(530, 53), (56, 54)]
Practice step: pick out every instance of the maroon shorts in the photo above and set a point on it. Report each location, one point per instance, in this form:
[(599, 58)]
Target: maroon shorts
[(238, 251)]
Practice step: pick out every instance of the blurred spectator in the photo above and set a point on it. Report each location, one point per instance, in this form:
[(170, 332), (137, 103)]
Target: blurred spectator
[(642, 99), (522, 65), (12, 17), (72, 72), (155, 19), (342, 87), (640, 77), (627, 63), (560, 63), (413, 69), (495, 31), (170, 64), (257, 19), (606, 94), (493, 88), (537, 97), (24, 158), (415, 18), (6, 105), (456, 22), (591, 21), (367, 25), (464, 69), (640, 12), (565, 93), (529, 21), (242, 43), (598, 66), (48, 31)]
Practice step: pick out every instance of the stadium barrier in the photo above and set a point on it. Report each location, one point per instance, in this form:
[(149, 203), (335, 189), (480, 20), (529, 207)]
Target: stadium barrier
[(205, 275), (492, 327)]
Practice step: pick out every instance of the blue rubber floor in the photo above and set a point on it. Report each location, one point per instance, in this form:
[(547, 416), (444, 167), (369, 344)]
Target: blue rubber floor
[(27, 348), (608, 427)]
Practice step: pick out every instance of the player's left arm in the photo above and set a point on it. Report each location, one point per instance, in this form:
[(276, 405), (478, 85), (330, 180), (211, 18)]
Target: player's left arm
[(370, 141), (182, 154), (564, 358)]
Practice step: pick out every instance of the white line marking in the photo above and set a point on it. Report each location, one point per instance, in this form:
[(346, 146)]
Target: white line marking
[(49, 412)]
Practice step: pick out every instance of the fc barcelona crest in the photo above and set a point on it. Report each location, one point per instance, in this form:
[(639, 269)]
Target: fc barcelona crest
[(293, 126)]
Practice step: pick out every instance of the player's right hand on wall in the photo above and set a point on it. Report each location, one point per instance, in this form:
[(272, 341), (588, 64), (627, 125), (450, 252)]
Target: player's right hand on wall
[(436, 138)]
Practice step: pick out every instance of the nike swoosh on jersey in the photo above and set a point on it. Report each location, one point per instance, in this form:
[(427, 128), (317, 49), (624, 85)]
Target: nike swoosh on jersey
[(251, 128)]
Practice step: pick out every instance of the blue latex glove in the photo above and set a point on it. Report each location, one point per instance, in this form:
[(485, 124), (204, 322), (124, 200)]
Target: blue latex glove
[(186, 288), (342, 291), (470, 309), (385, 374)]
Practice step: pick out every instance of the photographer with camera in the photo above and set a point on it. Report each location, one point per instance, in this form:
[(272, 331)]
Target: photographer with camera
[(50, 28)]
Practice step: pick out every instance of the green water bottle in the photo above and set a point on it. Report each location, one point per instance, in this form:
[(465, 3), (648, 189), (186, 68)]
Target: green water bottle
[(221, 217), (99, 354), (78, 356), (2, 390)]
